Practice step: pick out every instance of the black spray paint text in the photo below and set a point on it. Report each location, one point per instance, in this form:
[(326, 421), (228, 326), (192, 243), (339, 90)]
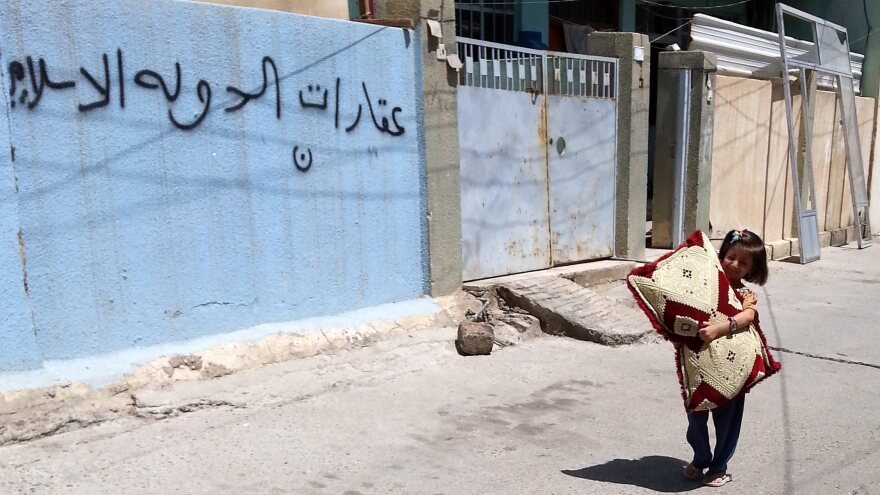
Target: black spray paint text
[(30, 81)]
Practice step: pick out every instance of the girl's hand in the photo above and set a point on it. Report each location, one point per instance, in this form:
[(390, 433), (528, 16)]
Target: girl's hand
[(750, 301), (711, 331)]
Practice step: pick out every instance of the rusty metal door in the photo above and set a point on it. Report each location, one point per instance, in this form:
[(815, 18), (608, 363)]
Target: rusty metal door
[(537, 145), (504, 185), (505, 227), (582, 156)]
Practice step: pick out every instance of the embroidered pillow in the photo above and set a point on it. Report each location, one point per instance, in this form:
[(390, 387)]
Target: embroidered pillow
[(684, 288)]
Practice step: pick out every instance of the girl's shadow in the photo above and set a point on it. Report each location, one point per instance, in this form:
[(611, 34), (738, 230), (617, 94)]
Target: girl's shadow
[(658, 473)]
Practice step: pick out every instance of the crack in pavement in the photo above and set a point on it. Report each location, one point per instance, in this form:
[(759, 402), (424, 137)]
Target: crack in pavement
[(79, 420), (165, 411), (825, 358), (71, 424)]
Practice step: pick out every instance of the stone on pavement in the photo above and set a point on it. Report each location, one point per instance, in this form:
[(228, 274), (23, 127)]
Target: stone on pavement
[(475, 338)]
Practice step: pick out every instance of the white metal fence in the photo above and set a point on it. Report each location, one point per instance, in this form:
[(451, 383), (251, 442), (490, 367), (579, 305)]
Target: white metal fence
[(582, 75), (494, 66)]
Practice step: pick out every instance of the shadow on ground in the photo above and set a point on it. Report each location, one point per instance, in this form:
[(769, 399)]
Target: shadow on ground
[(658, 473)]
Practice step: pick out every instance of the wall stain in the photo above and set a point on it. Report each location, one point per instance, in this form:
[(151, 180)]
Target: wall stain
[(24, 279), (23, 255)]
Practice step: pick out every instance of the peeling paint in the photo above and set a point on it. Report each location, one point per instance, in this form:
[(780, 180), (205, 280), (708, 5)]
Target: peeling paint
[(23, 256), (24, 281)]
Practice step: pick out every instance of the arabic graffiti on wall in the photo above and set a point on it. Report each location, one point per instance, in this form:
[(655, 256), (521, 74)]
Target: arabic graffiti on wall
[(177, 170), (29, 81)]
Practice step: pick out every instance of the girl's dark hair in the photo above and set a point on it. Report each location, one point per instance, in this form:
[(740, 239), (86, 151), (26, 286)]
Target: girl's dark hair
[(755, 246)]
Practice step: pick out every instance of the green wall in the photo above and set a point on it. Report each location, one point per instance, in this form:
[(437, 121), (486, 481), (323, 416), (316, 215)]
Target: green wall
[(532, 21)]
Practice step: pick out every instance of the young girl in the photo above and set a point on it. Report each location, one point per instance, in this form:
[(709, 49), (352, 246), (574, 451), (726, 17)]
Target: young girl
[(743, 258)]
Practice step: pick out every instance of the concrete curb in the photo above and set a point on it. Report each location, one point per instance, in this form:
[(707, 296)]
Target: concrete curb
[(584, 274), (37, 413), (560, 298), (567, 309)]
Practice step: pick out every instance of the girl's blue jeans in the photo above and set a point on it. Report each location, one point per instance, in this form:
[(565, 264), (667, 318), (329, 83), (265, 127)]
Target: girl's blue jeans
[(728, 421)]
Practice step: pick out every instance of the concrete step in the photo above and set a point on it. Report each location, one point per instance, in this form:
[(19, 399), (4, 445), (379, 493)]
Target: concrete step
[(618, 292), (587, 274), (568, 309)]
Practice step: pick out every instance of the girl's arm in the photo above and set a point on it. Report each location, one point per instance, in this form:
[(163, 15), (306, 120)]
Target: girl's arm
[(709, 332)]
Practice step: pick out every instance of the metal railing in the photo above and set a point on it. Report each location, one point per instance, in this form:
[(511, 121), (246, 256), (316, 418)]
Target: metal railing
[(511, 68), (496, 66), (582, 75)]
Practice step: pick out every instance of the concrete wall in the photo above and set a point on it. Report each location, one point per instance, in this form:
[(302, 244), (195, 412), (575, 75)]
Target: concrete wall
[(865, 108), (632, 137), (739, 154), (694, 176), (829, 158), (322, 8), (440, 109), (751, 179), (777, 189), (147, 215), (18, 344), (874, 179)]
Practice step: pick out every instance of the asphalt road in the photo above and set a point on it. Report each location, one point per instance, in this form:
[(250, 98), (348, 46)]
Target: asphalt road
[(550, 416)]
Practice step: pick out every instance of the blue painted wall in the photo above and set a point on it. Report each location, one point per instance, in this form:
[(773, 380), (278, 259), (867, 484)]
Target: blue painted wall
[(150, 214), (18, 344)]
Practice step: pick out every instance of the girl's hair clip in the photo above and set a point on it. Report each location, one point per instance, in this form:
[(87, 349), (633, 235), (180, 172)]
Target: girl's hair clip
[(736, 237)]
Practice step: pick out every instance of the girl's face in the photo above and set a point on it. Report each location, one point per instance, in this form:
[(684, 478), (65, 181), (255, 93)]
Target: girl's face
[(737, 263)]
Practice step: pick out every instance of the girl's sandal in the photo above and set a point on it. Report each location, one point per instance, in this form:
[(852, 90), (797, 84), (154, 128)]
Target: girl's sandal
[(716, 481), (692, 473)]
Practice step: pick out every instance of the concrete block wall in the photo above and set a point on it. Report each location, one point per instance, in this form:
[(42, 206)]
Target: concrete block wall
[(751, 180), (283, 177)]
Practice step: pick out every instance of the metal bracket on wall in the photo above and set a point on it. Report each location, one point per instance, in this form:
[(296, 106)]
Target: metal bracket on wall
[(829, 54)]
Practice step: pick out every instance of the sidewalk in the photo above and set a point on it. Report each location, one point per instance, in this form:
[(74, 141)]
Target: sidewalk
[(408, 415)]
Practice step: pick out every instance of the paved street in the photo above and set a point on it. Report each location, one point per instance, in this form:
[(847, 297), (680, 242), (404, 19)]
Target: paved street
[(550, 416)]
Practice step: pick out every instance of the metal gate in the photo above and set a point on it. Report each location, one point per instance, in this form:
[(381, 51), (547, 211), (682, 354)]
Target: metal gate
[(538, 151)]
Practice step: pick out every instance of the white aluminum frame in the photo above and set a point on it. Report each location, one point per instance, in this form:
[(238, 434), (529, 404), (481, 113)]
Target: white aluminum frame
[(821, 59)]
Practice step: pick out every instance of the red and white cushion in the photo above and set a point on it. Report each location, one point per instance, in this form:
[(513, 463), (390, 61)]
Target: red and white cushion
[(679, 291)]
